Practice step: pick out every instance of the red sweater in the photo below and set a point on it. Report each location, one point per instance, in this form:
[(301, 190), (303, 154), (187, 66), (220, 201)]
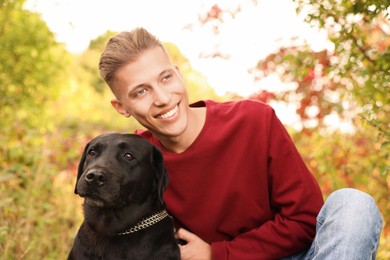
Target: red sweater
[(242, 185)]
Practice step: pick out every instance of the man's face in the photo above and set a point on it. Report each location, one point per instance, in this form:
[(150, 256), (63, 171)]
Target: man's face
[(152, 91)]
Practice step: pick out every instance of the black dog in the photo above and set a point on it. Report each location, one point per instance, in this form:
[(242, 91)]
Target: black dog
[(122, 179)]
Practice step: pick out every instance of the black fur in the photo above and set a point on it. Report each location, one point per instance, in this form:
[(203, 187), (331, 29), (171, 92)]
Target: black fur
[(122, 179)]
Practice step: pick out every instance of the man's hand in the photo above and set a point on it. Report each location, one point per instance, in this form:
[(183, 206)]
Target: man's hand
[(195, 249)]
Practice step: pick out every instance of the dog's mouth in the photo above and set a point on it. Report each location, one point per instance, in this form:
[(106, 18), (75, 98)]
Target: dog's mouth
[(91, 199), (95, 203), (100, 201)]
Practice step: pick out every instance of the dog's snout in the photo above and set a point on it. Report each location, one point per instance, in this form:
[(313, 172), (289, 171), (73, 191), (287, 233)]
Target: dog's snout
[(95, 177)]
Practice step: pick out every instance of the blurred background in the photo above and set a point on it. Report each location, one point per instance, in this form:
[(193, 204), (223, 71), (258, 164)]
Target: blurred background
[(323, 65)]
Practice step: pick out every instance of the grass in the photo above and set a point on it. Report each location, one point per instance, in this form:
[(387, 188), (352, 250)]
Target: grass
[(39, 213), (39, 216)]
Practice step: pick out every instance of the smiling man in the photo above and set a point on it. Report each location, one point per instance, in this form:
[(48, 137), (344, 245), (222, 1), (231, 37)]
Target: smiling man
[(157, 99), (239, 188)]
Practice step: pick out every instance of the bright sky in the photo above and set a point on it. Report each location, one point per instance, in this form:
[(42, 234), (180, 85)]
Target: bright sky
[(251, 35)]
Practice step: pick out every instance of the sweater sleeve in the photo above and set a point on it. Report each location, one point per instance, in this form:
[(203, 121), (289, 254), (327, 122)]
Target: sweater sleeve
[(295, 198)]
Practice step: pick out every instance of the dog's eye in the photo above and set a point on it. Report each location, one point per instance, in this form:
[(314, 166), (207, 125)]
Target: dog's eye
[(91, 153), (128, 157)]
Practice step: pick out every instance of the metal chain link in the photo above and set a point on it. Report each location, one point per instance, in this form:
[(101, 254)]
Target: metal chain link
[(146, 222)]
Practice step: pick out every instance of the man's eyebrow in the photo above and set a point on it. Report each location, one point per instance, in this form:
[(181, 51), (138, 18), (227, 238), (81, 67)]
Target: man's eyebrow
[(132, 88), (165, 71)]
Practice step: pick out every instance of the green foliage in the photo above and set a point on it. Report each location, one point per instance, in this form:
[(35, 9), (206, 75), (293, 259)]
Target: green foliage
[(29, 72), (361, 53), (346, 160), (349, 82), (37, 219), (340, 160), (30, 62), (87, 64)]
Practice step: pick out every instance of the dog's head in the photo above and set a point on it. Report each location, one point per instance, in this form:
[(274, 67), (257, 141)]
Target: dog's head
[(116, 170)]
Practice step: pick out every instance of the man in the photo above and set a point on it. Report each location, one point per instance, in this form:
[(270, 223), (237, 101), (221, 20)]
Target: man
[(238, 187)]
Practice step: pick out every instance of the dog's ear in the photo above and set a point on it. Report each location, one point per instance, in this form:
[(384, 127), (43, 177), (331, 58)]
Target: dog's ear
[(162, 175), (81, 166)]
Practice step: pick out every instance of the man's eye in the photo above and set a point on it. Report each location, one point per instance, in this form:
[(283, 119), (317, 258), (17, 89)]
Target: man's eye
[(91, 153), (128, 157), (139, 92), (166, 77)]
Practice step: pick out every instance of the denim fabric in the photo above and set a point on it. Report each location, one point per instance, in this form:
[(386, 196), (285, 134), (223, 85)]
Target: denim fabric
[(348, 227)]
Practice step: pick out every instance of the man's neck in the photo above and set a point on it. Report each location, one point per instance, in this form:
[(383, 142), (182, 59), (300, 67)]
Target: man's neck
[(196, 121)]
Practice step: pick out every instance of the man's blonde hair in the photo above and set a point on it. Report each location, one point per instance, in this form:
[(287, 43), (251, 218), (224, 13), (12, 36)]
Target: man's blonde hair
[(125, 48)]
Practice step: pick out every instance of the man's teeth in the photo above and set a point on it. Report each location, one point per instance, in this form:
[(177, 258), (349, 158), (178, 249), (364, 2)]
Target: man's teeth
[(169, 114)]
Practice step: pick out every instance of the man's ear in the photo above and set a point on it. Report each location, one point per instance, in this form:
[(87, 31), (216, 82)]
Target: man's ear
[(119, 107), (177, 69)]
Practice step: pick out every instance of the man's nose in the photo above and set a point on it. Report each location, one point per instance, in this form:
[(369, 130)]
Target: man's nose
[(161, 96)]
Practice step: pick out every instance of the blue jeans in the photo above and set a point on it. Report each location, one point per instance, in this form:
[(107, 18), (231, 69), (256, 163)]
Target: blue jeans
[(348, 227)]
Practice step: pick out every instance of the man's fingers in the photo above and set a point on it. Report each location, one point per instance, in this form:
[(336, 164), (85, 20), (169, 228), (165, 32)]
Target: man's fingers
[(185, 235)]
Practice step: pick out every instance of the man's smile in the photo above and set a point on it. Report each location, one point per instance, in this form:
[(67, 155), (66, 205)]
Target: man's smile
[(169, 114)]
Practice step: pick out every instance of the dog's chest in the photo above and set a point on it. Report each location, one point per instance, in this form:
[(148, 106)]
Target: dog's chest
[(148, 244)]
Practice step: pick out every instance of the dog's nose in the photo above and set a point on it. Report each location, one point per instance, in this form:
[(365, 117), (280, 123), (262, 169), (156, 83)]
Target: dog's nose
[(95, 177)]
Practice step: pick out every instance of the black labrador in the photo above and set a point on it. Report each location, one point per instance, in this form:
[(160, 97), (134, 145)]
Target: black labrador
[(122, 179)]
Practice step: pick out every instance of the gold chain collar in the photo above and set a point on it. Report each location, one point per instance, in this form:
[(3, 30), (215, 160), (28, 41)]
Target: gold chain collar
[(150, 221)]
